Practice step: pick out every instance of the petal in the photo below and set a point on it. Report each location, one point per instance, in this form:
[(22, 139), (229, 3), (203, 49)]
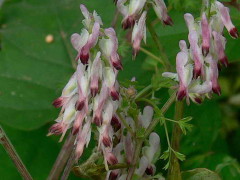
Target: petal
[(78, 41)]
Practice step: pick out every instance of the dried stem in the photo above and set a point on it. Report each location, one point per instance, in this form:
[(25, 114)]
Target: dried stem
[(7, 145), (174, 172), (69, 165), (62, 158)]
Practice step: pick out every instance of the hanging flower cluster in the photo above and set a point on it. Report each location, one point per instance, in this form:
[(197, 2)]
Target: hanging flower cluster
[(91, 95), (125, 147), (135, 17), (198, 66)]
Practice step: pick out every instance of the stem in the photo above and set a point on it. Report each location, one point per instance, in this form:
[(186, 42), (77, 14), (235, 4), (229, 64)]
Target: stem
[(163, 55), (69, 165), (142, 92), (174, 172), (163, 111), (7, 145), (150, 128), (125, 123), (152, 55), (137, 152), (62, 158)]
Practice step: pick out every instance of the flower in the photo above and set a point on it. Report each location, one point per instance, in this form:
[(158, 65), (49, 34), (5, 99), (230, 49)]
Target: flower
[(197, 67), (92, 93)]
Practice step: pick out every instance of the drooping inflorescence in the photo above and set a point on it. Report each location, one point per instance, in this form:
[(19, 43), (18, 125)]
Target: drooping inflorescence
[(134, 17), (197, 67)]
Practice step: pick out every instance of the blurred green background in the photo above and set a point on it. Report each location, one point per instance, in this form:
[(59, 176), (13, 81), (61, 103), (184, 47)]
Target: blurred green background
[(33, 73)]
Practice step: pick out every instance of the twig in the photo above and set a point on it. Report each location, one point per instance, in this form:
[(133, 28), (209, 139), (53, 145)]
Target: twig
[(7, 145), (115, 18), (62, 158), (174, 172), (142, 92), (152, 55), (69, 165)]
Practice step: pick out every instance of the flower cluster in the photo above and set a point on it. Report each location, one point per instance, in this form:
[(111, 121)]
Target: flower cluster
[(135, 17), (125, 146), (91, 95), (198, 66)]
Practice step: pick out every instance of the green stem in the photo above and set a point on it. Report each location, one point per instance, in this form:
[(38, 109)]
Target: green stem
[(152, 55), (150, 128), (125, 123), (174, 172), (144, 91), (155, 37), (7, 145)]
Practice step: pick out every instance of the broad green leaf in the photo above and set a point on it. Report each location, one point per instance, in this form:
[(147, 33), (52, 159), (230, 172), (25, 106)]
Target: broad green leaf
[(200, 174)]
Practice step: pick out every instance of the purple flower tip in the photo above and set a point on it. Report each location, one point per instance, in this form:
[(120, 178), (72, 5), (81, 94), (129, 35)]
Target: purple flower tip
[(168, 21), (234, 32)]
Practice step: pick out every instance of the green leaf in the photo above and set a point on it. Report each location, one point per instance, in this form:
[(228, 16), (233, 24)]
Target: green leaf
[(179, 155), (140, 132), (184, 125), (199, 174)]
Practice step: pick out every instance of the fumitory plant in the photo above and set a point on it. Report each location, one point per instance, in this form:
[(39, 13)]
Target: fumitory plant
[(126, 126)]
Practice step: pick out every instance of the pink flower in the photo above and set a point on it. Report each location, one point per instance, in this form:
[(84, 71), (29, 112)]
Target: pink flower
[(109, 48), (130, 11), (98, 105), (184, 74), (226, 20), (84, 42), (196, 53), (69, 90), (206, 35), (83, 83), (219, 46), (161, 12), (96, 73), (83, 138), (139, 33)]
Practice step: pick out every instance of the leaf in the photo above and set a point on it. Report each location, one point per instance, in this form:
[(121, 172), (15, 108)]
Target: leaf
[(179, 155), (199, 174), (184, 125)]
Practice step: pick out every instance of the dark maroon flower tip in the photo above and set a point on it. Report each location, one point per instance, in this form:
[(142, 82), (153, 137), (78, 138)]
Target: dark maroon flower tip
[(114, 95), (234, 32), (97, 120), (205, 51), (94, 91), (115, 123), (128, 23), (112, 159), (181, 94), (197, 72), (224, 61), (198, 100), (216, 89), (56, 129), (117, 65), (84, 57), (79, 105), (106, 141), (58, 102), (149, 170), (75, 129), (168, 21), (113, 175)]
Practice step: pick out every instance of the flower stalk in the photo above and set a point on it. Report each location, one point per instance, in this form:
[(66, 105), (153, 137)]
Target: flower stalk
[(9, 148)]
